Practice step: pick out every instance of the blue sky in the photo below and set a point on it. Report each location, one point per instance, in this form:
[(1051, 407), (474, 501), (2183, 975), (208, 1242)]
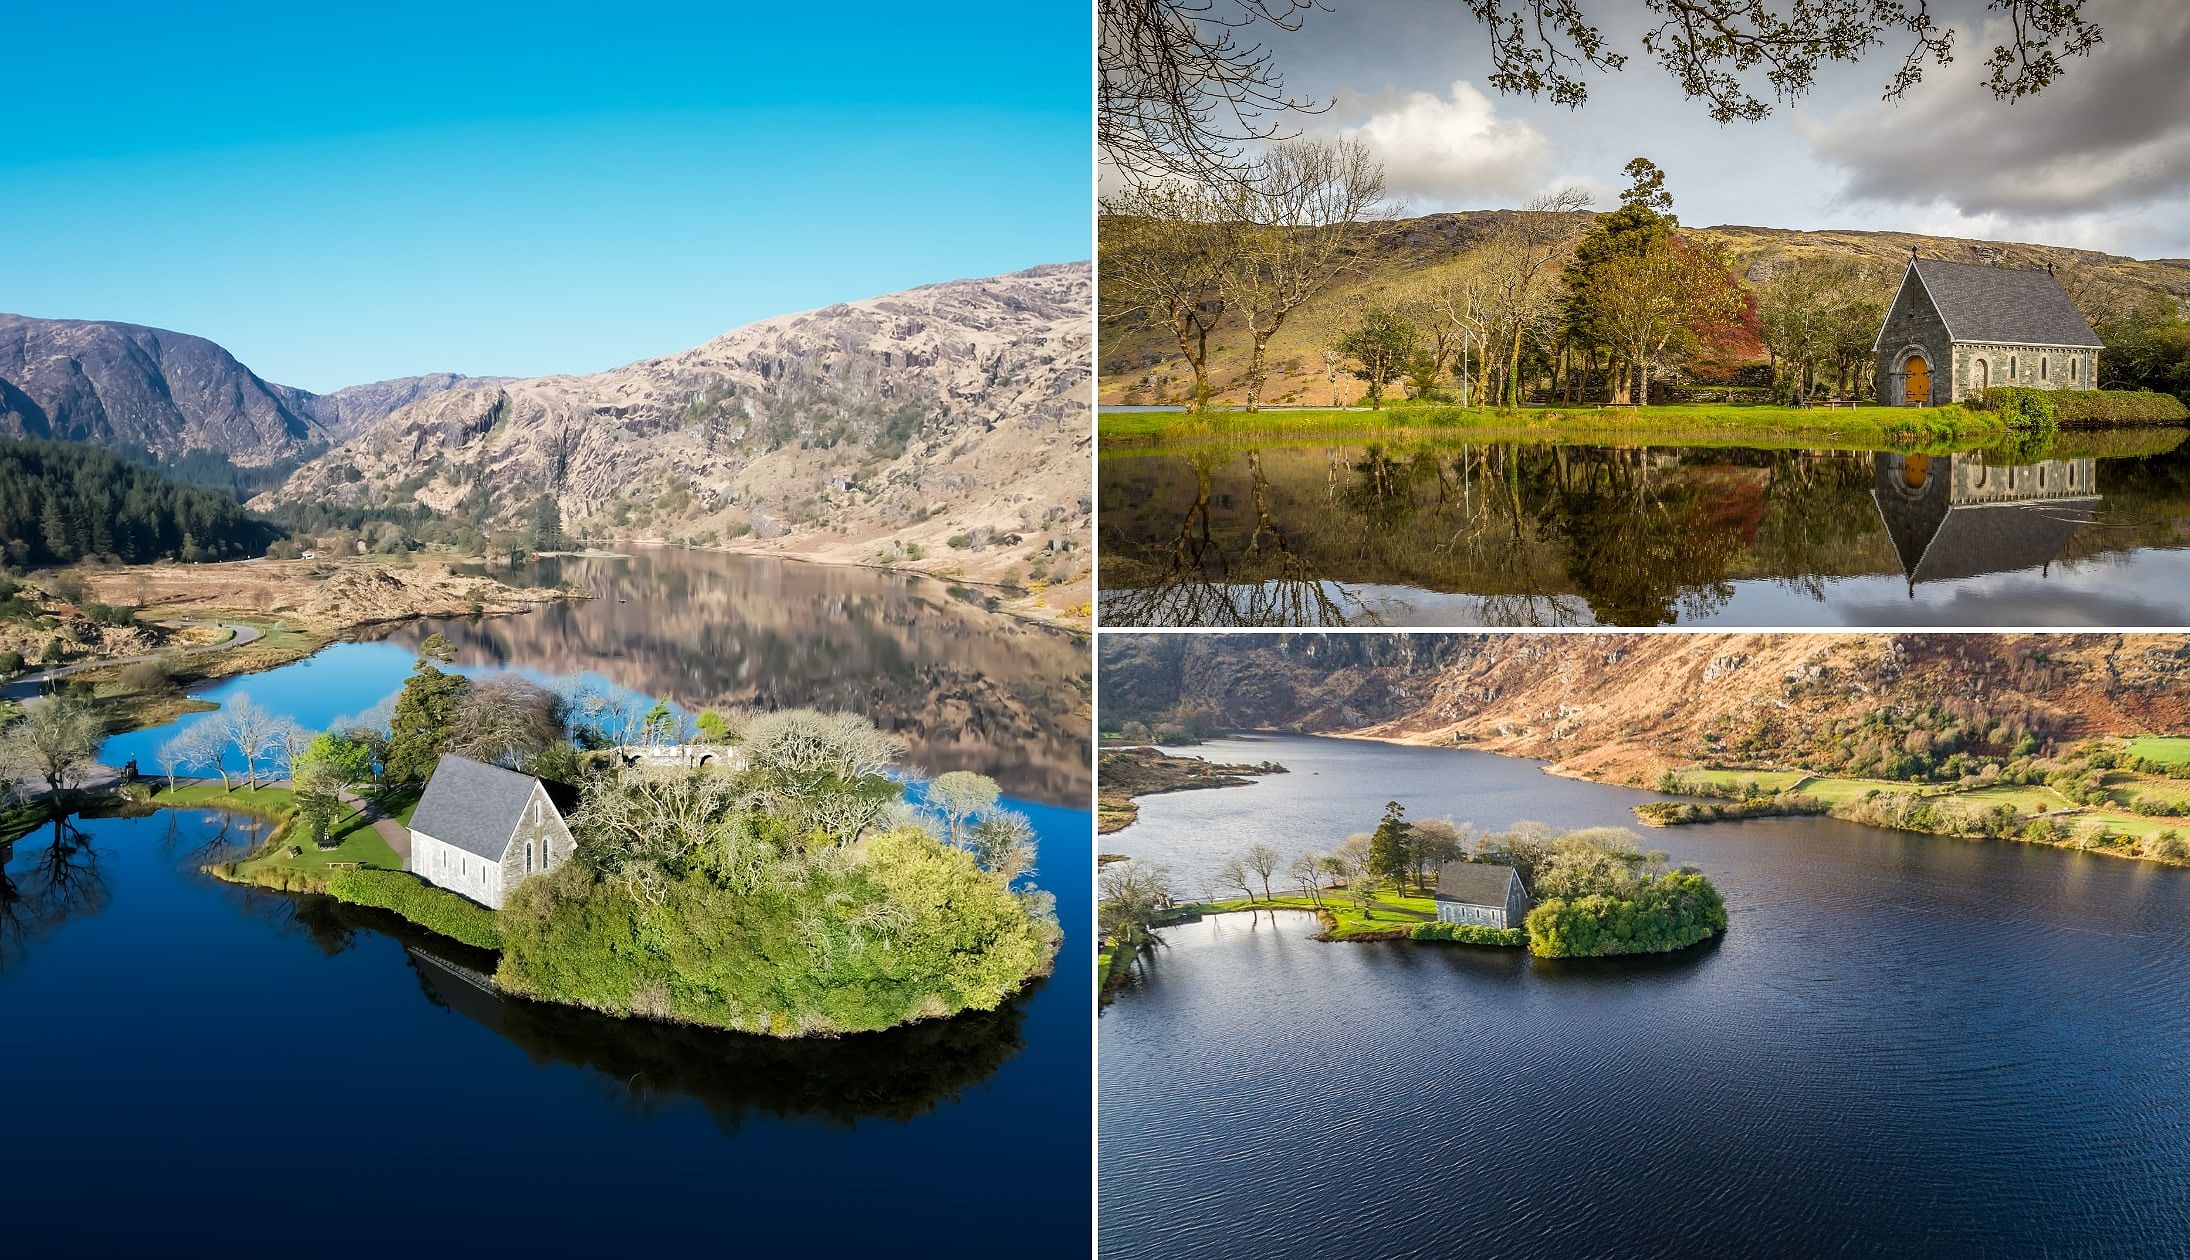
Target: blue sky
[(345, 193)]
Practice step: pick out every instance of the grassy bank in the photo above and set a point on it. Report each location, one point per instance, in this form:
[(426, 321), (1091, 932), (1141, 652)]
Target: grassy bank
[(1667, 424), (2027, 813), (1385, 916), (359, 868)]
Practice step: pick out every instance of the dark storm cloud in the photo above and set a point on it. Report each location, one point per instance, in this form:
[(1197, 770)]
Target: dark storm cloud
[(2113, 131)]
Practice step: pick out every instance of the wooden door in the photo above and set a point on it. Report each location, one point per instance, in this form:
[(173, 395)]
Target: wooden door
[(1916, 382)]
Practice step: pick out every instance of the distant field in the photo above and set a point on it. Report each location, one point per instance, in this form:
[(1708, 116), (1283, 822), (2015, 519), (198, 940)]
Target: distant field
[(1769, 780), (1834, 791), (2125, 785), (2026, 799), (2171, 750)]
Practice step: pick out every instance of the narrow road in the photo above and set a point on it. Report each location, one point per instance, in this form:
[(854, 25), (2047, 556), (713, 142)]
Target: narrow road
[(238, 635)]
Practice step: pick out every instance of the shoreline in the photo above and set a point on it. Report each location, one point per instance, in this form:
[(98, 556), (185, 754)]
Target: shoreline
[(1562, 770), (1017, 606)]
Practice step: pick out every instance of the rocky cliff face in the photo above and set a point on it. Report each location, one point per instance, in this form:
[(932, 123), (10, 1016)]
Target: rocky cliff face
[(944, 428), (1618, 706), (126, 387)]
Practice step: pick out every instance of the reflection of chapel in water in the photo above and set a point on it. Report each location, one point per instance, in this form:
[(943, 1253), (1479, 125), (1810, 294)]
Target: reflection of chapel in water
[(1959, 516)]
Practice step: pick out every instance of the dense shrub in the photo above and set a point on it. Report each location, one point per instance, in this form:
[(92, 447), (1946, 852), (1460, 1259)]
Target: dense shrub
[(1468, 934), (2020, 407), (1672, 911), (2017, 406), (435, 909), (1675, 813), (897, 928)]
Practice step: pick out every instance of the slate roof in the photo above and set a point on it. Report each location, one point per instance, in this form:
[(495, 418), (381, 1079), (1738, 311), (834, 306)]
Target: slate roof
[(1474, 883), (2004, 304), (475, 806)]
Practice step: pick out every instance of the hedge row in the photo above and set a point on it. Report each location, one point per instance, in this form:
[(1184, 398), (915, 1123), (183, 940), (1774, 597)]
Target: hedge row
[(435, 909), (2084, 407), (1467, 934)]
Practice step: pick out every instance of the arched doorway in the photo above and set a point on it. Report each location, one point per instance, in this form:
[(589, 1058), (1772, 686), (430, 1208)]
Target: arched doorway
[(1916, 381), (1915, 471)]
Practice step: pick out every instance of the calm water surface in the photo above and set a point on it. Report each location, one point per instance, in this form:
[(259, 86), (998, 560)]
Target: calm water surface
[(1903, 1046), (240, 1065), (2092, 531)]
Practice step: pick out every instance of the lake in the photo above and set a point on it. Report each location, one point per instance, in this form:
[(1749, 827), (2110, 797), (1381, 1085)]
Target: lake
[(2093, 530), (1903, 1045), (242, 1065)]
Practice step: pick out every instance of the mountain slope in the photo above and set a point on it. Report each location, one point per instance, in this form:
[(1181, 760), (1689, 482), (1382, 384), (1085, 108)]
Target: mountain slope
[(1140, 365), (943, 428), (129, 388), (1619, 706)]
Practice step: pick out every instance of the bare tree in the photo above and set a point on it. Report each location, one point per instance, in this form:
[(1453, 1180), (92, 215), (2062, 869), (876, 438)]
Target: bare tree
[(286, 740), (56, 741), (1520, 270), (172, 753), (1302, 206), (1183, 85), (250, 730), (204, 743), (505, 720), (1306, 872), (1264, 862), (1233, 874), (1166, 250)]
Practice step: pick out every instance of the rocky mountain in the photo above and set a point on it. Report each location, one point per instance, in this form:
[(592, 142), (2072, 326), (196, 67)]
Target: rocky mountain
[(126, 387), (1620, 706), (943, 429), (1141, 365)]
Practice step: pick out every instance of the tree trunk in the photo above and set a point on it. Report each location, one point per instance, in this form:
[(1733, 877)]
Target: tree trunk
[(1254, 371)]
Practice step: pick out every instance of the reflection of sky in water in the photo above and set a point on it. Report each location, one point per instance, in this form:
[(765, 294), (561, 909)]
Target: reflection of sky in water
[(342, 681)]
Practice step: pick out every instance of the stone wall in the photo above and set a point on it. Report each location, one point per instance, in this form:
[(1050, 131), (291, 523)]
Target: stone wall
[(1455, 912), (543, 829), (2037, 367), (1913, 323)]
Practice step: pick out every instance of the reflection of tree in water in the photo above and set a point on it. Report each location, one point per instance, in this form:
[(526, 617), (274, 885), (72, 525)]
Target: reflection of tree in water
[(1196, 576), (1532, 533), (1816, 524), (895, 1075), (1644, 549), (43, 885)]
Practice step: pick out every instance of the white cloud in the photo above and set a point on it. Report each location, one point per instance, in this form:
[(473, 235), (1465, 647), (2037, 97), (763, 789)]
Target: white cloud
[(2110, 137), (1446, 152)]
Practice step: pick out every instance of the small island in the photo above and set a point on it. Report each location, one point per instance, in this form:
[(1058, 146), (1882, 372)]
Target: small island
[(1591, 893), (1140, 771), (768, 873)]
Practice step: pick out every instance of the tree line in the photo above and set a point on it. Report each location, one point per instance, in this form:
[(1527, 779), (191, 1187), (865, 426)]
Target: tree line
[(1581, 307), (61, 502)]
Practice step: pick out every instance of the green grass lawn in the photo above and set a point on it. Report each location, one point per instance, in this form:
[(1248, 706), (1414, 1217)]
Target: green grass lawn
[(2027, 799), (269, 802), (357, 842), (1669, 421), (2170, 750), (1769, 780), (1834, 791), (1386, 911)]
